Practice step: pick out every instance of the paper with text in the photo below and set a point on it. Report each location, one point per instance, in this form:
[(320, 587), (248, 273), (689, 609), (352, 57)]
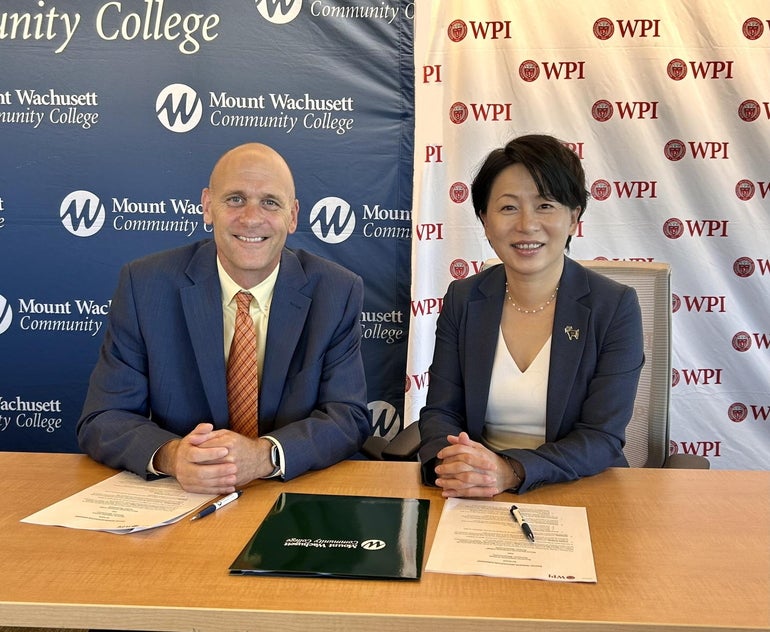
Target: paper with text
[(123, 503), (477, 537)]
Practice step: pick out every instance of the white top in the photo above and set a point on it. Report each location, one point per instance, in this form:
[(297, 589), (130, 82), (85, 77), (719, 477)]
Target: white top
[(515, 415)]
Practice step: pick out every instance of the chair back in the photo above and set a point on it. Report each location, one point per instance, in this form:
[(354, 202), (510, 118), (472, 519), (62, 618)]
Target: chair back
[(647, 434)]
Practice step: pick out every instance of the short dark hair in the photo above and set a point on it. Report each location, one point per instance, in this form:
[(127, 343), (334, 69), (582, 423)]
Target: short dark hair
[(555, 168)]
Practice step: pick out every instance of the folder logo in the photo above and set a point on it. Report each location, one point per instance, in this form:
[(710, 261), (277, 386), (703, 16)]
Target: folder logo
[(82, 213), (279, 11), (178, 108), (372, 545)]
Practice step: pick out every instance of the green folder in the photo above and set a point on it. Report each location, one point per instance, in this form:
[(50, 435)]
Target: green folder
[(320, 535)]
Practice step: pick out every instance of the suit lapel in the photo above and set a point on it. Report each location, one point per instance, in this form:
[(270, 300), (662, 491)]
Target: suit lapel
[(568, 339), (202, 305), (482, 331), (288, 312)]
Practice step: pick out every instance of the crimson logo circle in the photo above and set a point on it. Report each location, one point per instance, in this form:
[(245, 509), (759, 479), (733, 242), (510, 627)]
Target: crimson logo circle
[(458, 113), (459, 268), (676, 69), (745, 190), (753, 28), (674, 150), (673, 228), (457, 31), (603, 29), (737, 412), (529, 71), (743, 267)]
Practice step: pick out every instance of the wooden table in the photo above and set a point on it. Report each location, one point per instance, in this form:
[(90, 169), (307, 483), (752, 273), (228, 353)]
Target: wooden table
[(683, 550)]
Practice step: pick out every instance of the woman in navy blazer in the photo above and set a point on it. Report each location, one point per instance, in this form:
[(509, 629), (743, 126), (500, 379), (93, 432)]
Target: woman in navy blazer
[(530, 196)]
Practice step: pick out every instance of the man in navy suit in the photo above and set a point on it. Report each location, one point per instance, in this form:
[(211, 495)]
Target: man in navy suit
[(157, 399)]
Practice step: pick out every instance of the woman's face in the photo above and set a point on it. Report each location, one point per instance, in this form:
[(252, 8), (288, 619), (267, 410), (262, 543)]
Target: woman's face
[(527, 232)]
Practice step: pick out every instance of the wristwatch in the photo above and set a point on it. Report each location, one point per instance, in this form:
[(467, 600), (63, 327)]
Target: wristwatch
[(275, 460)]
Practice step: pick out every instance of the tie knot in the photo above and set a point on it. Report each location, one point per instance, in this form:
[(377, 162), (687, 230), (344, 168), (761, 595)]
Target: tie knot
[(244, 300)]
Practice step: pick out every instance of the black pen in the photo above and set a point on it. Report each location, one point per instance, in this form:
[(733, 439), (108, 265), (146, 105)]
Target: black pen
[(217, 505), (523, 523)]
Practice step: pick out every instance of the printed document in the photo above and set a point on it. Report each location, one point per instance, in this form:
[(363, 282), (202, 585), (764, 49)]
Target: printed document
[(123, 503), (477, 537)]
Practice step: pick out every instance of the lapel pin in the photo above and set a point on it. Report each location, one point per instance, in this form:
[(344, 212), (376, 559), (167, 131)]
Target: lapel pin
[(572, 333)]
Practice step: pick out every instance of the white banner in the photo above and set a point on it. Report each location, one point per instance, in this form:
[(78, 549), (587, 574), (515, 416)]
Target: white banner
[(668, 106)]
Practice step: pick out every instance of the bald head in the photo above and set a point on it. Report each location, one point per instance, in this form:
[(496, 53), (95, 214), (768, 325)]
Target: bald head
[(252, 156)]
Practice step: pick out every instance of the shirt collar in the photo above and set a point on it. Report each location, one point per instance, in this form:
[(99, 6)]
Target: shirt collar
[(263, 291)]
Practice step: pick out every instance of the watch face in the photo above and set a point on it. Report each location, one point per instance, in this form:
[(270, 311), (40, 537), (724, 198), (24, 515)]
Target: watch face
[(275, 456)]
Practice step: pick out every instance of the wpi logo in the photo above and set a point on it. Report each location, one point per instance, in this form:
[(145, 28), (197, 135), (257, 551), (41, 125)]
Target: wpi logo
[(675, 149), (602, 111), (749, 111), (603, 29), (386, 421), (715, 69), (458, 192), (529, 70), (743, 267), (179, 108), (742, 341), (673, 228), (697, 376), (332, 220), (82, 213), (753, 29), (279, 11), (459, 268), (703, 448), (458, 113), (737, 412), (6, 314), (600, 190), (676, 69), (457, 31), (745, 190)]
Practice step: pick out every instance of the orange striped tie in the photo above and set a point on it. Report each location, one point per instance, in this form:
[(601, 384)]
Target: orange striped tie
[(242, 377)]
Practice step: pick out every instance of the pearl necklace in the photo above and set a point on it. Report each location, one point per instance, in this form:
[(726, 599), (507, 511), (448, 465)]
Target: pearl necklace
[(530, 311)]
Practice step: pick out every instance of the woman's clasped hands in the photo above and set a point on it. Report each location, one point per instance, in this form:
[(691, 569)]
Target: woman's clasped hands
[(468, 469)]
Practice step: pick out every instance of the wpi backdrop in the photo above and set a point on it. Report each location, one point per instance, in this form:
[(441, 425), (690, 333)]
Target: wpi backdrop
[(668, 105), (112, 114), (111, 117)]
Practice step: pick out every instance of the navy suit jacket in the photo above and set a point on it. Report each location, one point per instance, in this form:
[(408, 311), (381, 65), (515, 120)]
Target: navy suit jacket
[(161, 369), (591, 384)]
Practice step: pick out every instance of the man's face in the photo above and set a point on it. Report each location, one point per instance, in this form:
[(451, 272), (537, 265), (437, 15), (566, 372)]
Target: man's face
[(250, 203)]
